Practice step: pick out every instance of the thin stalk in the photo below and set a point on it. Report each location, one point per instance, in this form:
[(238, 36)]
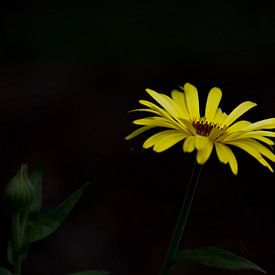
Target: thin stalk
[(24, 218), (16, 242), (182, 219)]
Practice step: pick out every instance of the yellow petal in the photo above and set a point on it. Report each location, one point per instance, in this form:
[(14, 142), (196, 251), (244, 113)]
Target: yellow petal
[(261, 149), (226, 155), (213, 101), (238, 126), (216, 134), (232, 160), (220, 117), (217, 117), (238, 111), (188, 126), (179, 99), (262, 133), (145, 110), (259, 135), (163, 113), (262, 139), (157, 122), (204, 154), (167, 141), (201, 142), (189, 144), (138, 131), (144, 121), (149, 142), (166, 102), (268, 141), (262, 124), (156, 108), (234, 131), (221, 153), (192, 101), (251, 151)]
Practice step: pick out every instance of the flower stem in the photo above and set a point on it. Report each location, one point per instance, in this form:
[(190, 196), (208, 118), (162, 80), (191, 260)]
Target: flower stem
[(16, 242), (182, 219)]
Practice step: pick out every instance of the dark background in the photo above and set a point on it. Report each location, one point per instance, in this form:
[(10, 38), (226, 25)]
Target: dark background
[(69, 74)]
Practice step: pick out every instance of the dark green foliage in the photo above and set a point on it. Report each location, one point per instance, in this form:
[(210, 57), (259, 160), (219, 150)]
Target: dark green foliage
[(4, 271), (28, 223), (46, 223), (216, 257)]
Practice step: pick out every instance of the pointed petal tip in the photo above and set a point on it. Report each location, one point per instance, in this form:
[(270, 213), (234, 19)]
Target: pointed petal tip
[(192, 100), (216, 90), (149, 91), (199, 161), (235, 173), (145, 147), (239, 111), (157, 150), (186, 85), (234, 168)]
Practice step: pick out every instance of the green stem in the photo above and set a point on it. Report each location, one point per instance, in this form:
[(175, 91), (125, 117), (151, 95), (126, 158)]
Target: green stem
[(182, 219), (16, 242), (24, 218)]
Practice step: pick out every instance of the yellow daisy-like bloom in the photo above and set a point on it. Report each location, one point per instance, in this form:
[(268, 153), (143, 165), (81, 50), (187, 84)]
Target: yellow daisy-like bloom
[(180, 115)]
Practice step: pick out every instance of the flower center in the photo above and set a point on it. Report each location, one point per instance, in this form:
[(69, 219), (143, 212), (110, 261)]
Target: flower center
[(203, 128)]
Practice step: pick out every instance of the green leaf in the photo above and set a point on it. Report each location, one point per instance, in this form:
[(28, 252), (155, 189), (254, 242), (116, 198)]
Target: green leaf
[(46, 223), (4, 271), (95, 272), (216, 257), (36, 180)]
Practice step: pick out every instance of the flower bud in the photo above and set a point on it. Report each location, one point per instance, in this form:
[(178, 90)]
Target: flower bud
[(19, 191)]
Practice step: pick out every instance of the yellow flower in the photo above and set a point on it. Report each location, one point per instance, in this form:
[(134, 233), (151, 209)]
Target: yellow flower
[(180, 115)]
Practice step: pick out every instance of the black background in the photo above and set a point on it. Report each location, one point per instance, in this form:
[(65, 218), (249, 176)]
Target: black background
[(70, 73)]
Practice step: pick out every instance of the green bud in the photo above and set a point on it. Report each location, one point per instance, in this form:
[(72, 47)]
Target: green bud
[(19, 192)]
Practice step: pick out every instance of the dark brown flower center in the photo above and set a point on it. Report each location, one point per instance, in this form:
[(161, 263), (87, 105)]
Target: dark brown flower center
[(203, 128)]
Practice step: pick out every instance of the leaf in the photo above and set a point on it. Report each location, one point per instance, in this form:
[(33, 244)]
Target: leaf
[(4, 271), (216, 257), (46, 223), (95, 272), (36, 180)]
